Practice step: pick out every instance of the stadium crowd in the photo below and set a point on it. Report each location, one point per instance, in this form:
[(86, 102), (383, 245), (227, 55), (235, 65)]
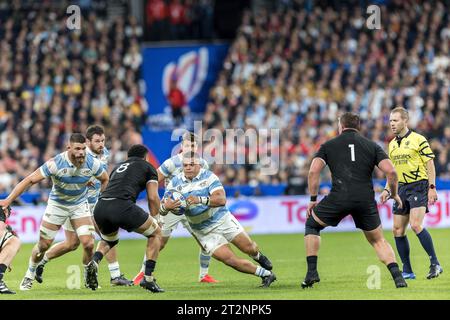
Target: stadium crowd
[(296, 68), (54, 81), (179, 20)]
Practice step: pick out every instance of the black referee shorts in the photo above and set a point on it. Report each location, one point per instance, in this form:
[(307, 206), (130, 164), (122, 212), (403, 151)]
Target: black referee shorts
[(413, 195), (110, 215), (364, 213)]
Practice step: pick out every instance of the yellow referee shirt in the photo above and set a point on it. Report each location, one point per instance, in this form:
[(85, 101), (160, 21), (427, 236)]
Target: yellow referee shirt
[(410, 155)]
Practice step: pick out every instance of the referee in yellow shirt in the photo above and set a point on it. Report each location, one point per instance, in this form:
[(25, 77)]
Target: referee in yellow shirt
[(413, 161)]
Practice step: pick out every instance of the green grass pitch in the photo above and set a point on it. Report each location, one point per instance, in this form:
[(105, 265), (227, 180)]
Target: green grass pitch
[(343, 263)]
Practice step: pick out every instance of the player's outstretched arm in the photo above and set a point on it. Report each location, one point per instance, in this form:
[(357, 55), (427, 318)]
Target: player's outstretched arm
[(20, 188), (153, 197)]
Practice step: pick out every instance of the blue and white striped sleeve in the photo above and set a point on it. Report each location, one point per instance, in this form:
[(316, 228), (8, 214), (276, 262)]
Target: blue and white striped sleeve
[(214, 183), (167, 167), (98, 168), (49, 168)]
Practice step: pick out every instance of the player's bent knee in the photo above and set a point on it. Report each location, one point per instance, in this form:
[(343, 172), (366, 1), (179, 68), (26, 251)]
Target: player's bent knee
[(230, 261), (85, 230), (44, 245), (312, 227), (399, 231), (112, 244), (72, 246), (416, 227), (112, 241), (88, 245), (46, 233), (152, 231)]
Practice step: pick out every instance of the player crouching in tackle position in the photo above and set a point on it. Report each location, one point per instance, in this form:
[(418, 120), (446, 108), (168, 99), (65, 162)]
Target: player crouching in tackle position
[(170, 168), (117, 208), (9, 246), (351, 159), (95, 141), (413, 161), (212, 224), (70, 171)]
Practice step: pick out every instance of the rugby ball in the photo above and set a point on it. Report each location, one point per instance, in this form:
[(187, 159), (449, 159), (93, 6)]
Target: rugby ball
[(176, 195)]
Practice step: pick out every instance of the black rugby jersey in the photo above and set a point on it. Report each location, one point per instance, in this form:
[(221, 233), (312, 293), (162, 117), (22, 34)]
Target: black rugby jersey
[(351, 159), (129, 179)]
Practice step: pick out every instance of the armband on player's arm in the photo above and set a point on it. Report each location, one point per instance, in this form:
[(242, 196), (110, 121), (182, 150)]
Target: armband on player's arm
[(204, 200), (162, 209)]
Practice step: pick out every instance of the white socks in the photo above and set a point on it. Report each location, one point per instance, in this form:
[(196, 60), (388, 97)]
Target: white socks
[(31, 271), (261, 272), (114, 269), (204, 264)]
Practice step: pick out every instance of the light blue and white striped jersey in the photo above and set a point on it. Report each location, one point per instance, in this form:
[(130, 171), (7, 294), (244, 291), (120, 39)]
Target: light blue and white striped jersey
[(199, 216), (174, 166), (94, 191), (69, 182)]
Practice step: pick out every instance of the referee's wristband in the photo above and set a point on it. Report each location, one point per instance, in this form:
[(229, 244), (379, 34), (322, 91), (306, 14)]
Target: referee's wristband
[(204, 200), (313, 198)]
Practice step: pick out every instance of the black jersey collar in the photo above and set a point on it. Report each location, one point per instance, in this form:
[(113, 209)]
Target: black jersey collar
[(350, 130), (399, 139)]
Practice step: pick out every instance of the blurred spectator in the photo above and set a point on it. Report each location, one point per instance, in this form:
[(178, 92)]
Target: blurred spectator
[(296, 67), (157, 25), (54, 81), (180, 19), (177, 102)]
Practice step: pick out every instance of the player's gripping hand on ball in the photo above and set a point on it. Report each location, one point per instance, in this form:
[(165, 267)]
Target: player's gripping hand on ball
[(168, 205), (192, 200)]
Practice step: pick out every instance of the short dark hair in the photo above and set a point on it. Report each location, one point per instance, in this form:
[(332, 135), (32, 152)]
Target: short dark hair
[(137, 150), (350, 120), (94, 129), (191, 155), (190, 136), (77, 138)]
